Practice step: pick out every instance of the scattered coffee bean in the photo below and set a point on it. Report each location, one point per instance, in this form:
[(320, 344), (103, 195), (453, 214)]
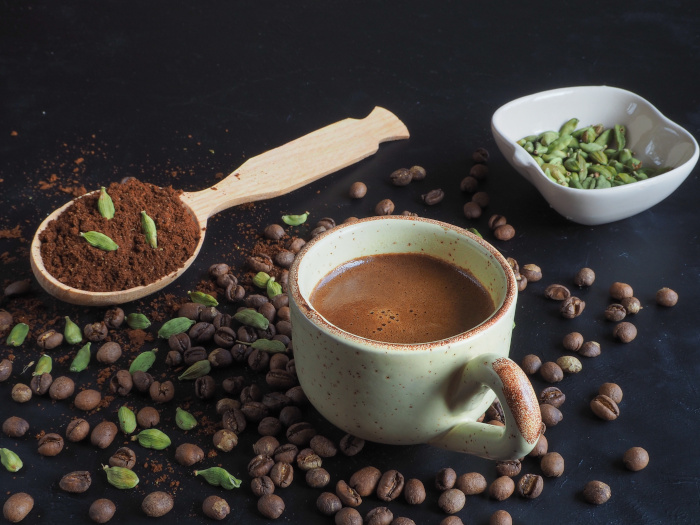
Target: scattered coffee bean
[(102, 510), (17, 288), (17, 507), (365, 480), (121, 382), (215, 507), (157, 504), (225, 440), (473, 211), (612, 390), (21, 393), (262, 485), (551, 372), (414, 491), (142, 381), (433, 197), (282, 474), (666, 297), (625, 332), (15, 427), (631, 305), (5, 369), (109, 353), (323, 446), (348, 516), (551, 395), (317, 478), (260, 465), (495, 221), (471, 483), (49, 340), (479, 171), (379, 516), (87, 399), (469, 184), (572, 307), (504, 233), (351, 445), (417, 172), (531, 364), (114, 317), (569, 364), (530, 486), (148, 417), (390, 485), (596, 492), (188, 454), (50, 444), (445, 479), (95, 332), (76, 482), (271, 506), (584, 277), (605, 408), (501, 488), (452, 501), (103, 434), (532, 272), (635, 459), (358, 190), (481, 198), (540, 448), (615, 312), (572, 341), (510, 468), (123, 457), (590, 349), (480, 155), (165, 391), (401, 177), (557, 292), (273, 232), (384, 207), (328, 503), (620, 290), (501, 517), (552, 464)]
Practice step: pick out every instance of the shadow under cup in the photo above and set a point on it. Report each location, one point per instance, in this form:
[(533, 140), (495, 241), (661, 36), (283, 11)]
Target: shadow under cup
[(390, 392)]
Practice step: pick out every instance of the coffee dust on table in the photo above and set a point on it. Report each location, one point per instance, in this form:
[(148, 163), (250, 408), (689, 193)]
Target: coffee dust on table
[(71, 260)]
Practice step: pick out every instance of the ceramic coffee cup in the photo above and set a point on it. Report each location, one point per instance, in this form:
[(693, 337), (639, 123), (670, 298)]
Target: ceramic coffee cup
[(419, 393)]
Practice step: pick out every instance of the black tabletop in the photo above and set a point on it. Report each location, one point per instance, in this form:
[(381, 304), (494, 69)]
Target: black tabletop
[(178, 93)]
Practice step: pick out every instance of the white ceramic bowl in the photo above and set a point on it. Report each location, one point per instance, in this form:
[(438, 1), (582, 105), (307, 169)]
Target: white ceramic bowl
[(653, 138)]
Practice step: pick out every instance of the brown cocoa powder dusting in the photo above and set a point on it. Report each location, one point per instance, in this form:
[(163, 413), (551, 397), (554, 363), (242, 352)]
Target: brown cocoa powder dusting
[(71, 260)]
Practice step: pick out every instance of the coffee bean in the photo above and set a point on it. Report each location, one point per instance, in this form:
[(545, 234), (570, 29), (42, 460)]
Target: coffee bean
[(351, 445), (620, 290), (631, 305), (625, 332), (280, 379), (505, 232), (15, 427), (605, 408), (596, 492), (123, 457), (530, 486), (452, 520), (266, 446), (317, 478), (298, 397), (142, 381), (402, 520), (282, 474), (5, 368), (254, 411), (480, 155), (510, 468), (540, 448), (21, 393), (357, 190), (572, 341), (590, 349), (635, 459), (215, 507), (532, 272), (307, 459), (365, 480), (531, 364), (88, 399), (501, 517), (569, 364), (114, 317), (472, 210), (148, 417), (417, 172), (445, 478), (433, 197), (250, 393), (188, 454), (348, 516), (157, 504), (615, 312), (109, 353), (274, 232), (401, 177), (552, 464), (452, 501), (414, 491), (102, 510), (225, 440), (572, 307), (390, 485), (557, 292), (479, 171), (300, 434), (323, 446), (481, 198), (49, 340), (379, 516), (260, 465), (501, 488), (262, 485), (328, 503), (95, 332), (666, 297), (471, 483), (469, 184), (551, 372), (276, 402), (612, 390), (50, 445), (162, 392), (76, 482), (287, 452), (271, 506), (384, 207), (584, 277), (17, 507), (225, 337), (121, 383)]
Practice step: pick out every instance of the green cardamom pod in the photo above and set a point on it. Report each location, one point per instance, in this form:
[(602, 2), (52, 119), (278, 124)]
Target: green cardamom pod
[(72, 333), (203, 298), (273, 288), (174, 327), (295, 220), (149, 230), (219, 477), (152, 438), (260, 279), (198, 369), (137, 321), (127, 419), (18, 334), (43, 365), (184, 419), (250, 317), (81, 359), (269, 345), (143, 361), (121, 477), (105, 205), (100, 240), (475, 232), (10, 460)]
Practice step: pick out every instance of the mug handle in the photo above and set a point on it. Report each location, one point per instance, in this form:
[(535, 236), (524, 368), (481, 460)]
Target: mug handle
[(523, 421)]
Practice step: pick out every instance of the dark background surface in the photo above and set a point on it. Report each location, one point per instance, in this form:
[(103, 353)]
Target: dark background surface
[(175, 92)]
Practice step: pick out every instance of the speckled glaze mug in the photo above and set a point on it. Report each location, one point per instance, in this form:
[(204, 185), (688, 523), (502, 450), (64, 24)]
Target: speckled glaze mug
[(420, 393)]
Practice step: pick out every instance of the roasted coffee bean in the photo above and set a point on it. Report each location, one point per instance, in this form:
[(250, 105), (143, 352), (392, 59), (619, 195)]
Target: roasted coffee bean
[(123, 457), (569, 364), (531, 364), (625, 332), (318, 230), (225, 440), (590, 349), (472, 210), (222, 321), (290, 415), (295, 244), (501, 488), (480, 155), (234, 292), (452, 501), (40, 384), (260, 465), (328, 503), (142, 381), (279, 362), (15, 427), (635, 459), (260, 263), (615, 312), (584, 277), (500, 517), (225, 337), (204, 387), (275, 401), (631, 305), (268, 311), (251, 393), (573, 341), (256, 300), (348, 496), (379, 516), (208, 314), (271, 506), (481, 198), (258, 360), (666, 297), (612, 390), (190, 311), (504, 232), (365, 480), (605, 408), (266, 446), (350, 445), (162, 392), (280, 379), (269, 426), (401, 177), (552, 396), (479, 171), (317, 478), (50, 444), (307, 459), (471, 483), (284, 258), (17, 507), (541, 447), (326, 222), (297, 395), (493, 413), (551, 416), (173, 358), (274, 232), (323, 446), (300, 434), (620, 290), (414, 491), (445, 478), (596, 492), (551, 372), (234, 420), (17, 288), (121, 383), (157, 504), (188, 454), (95, 332), (233, 385), (21, 393), (283, 327), (114, 317), (282, 474), (49, 340), (532, 272), (254, 411), (77, 430), (390, 485), (557, 292), (215, 507), (102, 510), (148, 417), (76, 482), (6, 320), (433, 197), (510, 468), (469, 184), (88, 399), (201, 332), (572, 307), (5, 370), (218, 269), (287, 453), (530, 486), (103, 434), (262, 485), (552, 464), (384, 207), (109, 353), (357, 190)]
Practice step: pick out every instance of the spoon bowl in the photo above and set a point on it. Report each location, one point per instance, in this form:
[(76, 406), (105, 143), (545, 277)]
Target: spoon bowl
[(270, 174)]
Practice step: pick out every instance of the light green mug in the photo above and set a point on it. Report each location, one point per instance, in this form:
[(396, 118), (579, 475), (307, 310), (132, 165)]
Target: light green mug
[(419, 393)]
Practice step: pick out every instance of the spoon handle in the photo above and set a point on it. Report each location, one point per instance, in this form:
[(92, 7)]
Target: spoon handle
[(297, 163)]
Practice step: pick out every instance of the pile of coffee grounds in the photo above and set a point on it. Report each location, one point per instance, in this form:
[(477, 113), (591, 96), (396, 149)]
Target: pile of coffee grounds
[(70, 259)]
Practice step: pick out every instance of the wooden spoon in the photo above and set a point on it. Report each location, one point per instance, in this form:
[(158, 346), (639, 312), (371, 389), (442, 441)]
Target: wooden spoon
[(268, 175)]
